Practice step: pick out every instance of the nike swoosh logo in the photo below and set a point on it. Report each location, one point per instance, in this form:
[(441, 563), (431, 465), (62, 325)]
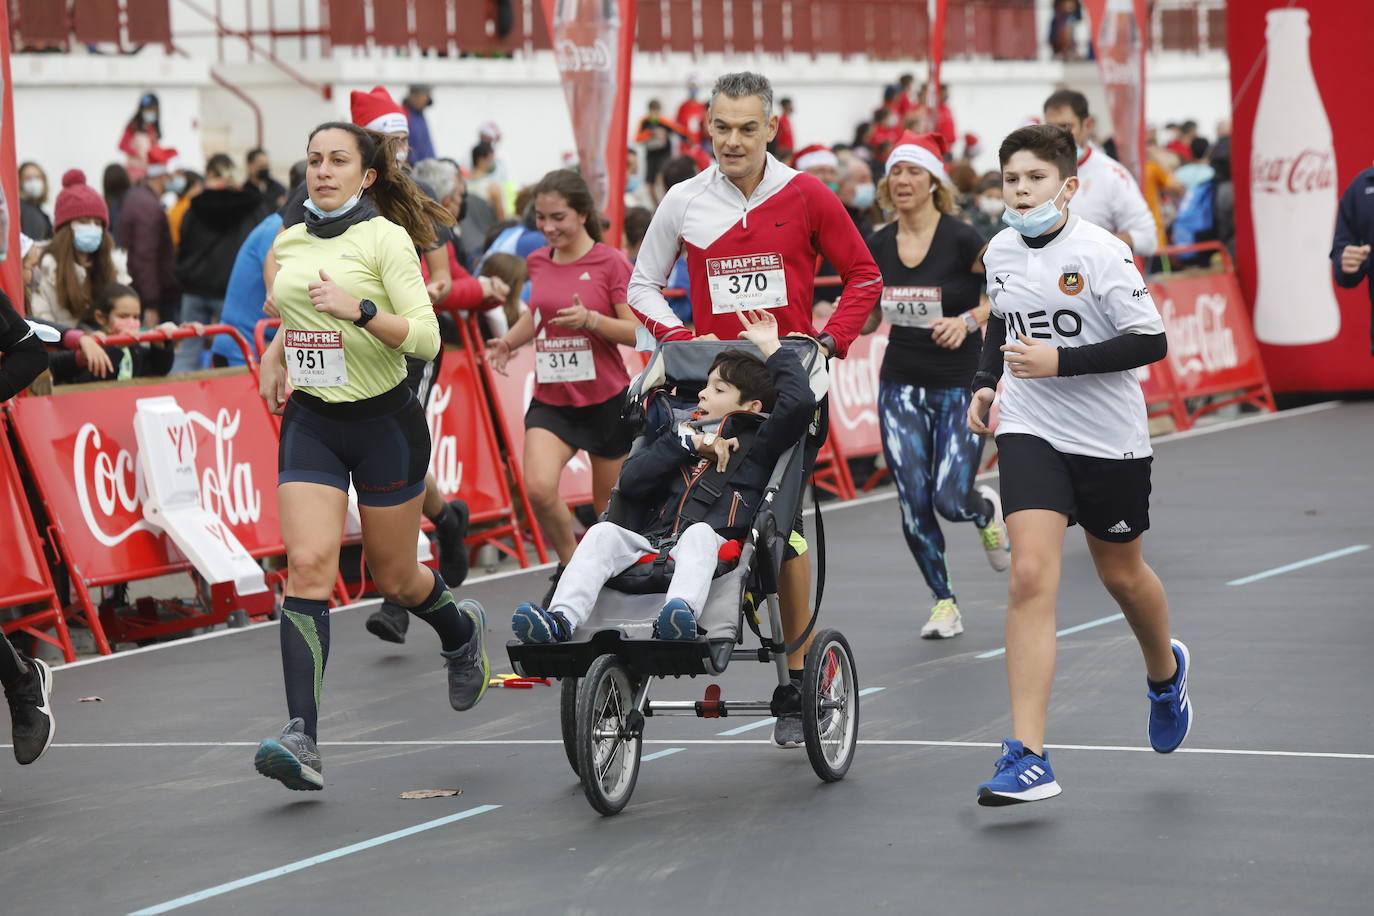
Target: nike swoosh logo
[(780, 225)]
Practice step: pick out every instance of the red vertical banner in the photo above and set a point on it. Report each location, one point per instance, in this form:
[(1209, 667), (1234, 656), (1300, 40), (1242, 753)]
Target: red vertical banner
[(593, 41), (1119, 38), (10, 279), (935, 12), (1296, 145)]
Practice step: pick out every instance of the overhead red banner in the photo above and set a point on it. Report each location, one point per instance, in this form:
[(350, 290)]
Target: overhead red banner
[(935, 11), (593, 42), (1296, 143), (1119, 39), (10, 279)]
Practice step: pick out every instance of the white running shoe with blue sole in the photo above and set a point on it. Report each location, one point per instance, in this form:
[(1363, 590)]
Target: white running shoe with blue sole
[(1021, 777), (1171, 712)]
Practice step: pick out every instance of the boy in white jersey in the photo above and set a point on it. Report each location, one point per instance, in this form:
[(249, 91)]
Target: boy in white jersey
[(1071, 320)]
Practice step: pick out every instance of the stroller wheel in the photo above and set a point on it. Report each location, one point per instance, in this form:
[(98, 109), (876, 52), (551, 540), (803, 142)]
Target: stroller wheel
[(567, 718), (830, 705), (607, 748)]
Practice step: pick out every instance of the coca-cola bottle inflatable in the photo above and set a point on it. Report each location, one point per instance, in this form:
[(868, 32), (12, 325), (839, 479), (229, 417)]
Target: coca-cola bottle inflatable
[(1292, 193), (586, 34)]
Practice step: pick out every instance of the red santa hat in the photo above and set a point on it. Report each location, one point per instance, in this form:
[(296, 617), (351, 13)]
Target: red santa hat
[(377, 110), (160, 161), (927, 151), (814, 156)]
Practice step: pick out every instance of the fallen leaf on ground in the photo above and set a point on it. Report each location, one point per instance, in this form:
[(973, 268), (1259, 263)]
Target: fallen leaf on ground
[(91, 700), (431, 793)]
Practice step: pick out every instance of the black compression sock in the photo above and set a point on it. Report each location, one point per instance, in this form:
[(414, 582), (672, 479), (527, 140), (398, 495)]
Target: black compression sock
[(1161, 686), (12, 667), (796, 673), (440, 611), (304, 652)]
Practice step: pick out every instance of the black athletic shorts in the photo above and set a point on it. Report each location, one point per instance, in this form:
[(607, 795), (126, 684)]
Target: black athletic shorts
[(1109, 497), (421, 375), (598, 428), (382, 443)]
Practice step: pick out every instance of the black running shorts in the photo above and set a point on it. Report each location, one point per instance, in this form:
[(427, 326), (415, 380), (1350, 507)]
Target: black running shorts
[(421, 375), (1109, 497), (598, 428), (381, 443)]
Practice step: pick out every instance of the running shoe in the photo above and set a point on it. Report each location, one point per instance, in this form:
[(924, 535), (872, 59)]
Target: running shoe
[(30, 711), (945, 621), (532, 625), (293, 759), (676, 621), (1171, 711), (450, 534), (994, 535), (469, 671), (1021, 777), (787, 730), (389, 622), (553, 585)]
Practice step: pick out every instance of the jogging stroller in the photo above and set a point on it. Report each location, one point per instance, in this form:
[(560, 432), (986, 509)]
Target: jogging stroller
[(608, 666)]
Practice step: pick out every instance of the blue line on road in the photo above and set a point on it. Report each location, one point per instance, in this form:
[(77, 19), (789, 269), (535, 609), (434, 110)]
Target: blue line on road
[(1065, 632), (867, 690), (1280, 570), (313, 860), (663, 753)]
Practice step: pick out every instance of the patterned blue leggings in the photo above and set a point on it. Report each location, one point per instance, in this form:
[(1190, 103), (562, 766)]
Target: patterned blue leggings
[(933, 459)]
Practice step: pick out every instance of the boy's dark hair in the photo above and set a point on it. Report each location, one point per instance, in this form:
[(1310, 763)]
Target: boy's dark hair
[(1044, 141), (677, 170), (104, 302), (747, 373), (637, 221), (1069, 98)]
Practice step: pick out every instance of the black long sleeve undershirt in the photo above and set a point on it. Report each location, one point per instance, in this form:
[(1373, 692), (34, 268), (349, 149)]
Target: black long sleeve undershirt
[(1120, 353), (25, 356)]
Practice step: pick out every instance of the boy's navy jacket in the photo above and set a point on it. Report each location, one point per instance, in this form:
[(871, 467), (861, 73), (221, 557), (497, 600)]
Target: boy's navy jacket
[(661, 473)]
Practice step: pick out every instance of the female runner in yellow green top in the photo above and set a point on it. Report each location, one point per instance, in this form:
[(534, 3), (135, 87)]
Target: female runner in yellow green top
[(353, 303)]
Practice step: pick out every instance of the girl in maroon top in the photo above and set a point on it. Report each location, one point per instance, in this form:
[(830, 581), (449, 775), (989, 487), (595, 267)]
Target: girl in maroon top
[(578, 317)]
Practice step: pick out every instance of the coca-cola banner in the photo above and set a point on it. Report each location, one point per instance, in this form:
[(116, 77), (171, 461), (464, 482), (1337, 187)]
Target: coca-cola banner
[(854, 395), (10, 279), (593, 42), (1297, 142), (82, 450), (1211, 348), (464, 456), (1119, 39)]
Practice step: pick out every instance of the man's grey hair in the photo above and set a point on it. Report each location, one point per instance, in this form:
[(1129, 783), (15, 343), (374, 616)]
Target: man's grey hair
[(742, 85), (441, 176)]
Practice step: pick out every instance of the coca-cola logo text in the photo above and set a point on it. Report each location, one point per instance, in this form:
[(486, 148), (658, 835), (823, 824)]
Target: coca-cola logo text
[(1200, 341), (444, 462), (855, 384), (573, 57), (1308, 171)]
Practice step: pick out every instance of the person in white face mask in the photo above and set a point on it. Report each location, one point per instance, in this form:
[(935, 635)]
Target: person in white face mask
[(81, 258), (33, 194)]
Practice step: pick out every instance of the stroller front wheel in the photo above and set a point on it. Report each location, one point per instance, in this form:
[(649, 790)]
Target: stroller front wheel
[(608, 746), (830, 705)]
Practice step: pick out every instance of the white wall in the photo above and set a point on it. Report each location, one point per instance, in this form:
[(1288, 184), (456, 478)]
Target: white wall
[(70, 110)]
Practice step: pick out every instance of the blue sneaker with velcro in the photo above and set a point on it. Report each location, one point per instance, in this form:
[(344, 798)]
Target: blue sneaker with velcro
[(533, 625), (1171, 711), (676, 621), (1021, 777)]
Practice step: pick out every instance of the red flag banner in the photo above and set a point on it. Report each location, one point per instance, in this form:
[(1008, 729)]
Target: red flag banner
[(935, 9), (1119, 37), (10, 279), (593, 41)]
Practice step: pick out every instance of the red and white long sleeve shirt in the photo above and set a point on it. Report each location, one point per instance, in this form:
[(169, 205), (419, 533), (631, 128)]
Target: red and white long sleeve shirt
[(755, 253)]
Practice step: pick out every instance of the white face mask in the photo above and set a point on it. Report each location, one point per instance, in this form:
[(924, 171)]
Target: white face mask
[(992, 206), (341, 209), (35, 188), (863, 195)]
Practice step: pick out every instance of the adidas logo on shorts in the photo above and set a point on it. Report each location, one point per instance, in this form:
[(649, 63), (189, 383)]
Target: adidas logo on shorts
[(1120, 528)]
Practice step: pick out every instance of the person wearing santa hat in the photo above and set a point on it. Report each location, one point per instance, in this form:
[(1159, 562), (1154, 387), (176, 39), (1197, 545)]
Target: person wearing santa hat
[(752, 230), (818, 159), (143, 232), (932, 281)]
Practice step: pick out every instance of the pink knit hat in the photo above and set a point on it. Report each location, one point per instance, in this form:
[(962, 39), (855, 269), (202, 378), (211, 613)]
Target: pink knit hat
[(78, 200)]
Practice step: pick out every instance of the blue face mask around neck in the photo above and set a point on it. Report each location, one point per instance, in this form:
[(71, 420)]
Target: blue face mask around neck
[(340, 210), (1035, 221)]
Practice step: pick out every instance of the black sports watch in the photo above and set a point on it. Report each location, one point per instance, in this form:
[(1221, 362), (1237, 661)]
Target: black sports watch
[(368, 310)]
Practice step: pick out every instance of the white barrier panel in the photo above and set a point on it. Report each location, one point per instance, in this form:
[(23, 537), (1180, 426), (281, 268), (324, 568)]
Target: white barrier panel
[(353, 528), (166, 455)]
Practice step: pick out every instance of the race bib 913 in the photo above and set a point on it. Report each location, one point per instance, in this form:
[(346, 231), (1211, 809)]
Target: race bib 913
[(912, 306)]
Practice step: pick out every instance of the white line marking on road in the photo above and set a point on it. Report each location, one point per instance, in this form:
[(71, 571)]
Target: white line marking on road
[(1311, 561), (313, 860), (1064, 632)]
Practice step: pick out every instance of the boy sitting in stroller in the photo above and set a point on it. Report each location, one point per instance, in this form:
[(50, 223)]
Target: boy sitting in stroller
[(769, 405)]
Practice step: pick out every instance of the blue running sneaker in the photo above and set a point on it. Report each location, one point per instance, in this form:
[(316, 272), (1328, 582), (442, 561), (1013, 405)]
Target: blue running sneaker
[(1171, 712), (1021, 777), (533, 625), (293, 759), (676, 621)]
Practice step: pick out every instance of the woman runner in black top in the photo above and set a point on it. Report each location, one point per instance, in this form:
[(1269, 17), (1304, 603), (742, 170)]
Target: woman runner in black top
[(932, 278)]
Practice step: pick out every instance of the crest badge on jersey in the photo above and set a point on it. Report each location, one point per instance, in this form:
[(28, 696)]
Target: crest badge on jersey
[(1070, 280)]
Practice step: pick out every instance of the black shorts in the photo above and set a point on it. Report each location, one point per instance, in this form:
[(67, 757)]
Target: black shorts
[(598, 428), (382, 443), (421, 375), (1109, 497), (815, 438)]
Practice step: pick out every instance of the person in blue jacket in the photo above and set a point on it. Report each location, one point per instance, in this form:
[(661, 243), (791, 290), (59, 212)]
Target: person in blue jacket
[(1354, 233)]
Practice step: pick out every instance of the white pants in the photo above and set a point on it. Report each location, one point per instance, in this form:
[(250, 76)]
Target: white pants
[(608, 550)]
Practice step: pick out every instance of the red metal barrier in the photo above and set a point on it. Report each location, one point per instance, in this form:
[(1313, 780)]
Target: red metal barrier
[(26, 579)]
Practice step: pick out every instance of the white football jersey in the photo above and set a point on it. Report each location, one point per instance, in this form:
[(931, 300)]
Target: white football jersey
[(1109, 197), (1082, 288)]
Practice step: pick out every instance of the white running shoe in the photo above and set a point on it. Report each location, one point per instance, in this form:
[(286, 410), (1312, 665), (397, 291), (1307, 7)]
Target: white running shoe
[(945, 621), (994, 536)]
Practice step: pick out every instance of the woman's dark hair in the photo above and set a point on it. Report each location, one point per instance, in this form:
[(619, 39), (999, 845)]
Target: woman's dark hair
[(105, 300), (115, 182), (572, 187), (148, 98), (75, 295), (394, 193), (512, 269), (1044, 141), (746, 372)]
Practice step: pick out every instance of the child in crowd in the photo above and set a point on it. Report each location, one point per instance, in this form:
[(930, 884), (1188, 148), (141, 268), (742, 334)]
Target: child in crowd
[(117, 310), (742, 391), (511, 270)]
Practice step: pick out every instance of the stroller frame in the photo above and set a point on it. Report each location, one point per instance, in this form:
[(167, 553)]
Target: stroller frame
[(608, 668)]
